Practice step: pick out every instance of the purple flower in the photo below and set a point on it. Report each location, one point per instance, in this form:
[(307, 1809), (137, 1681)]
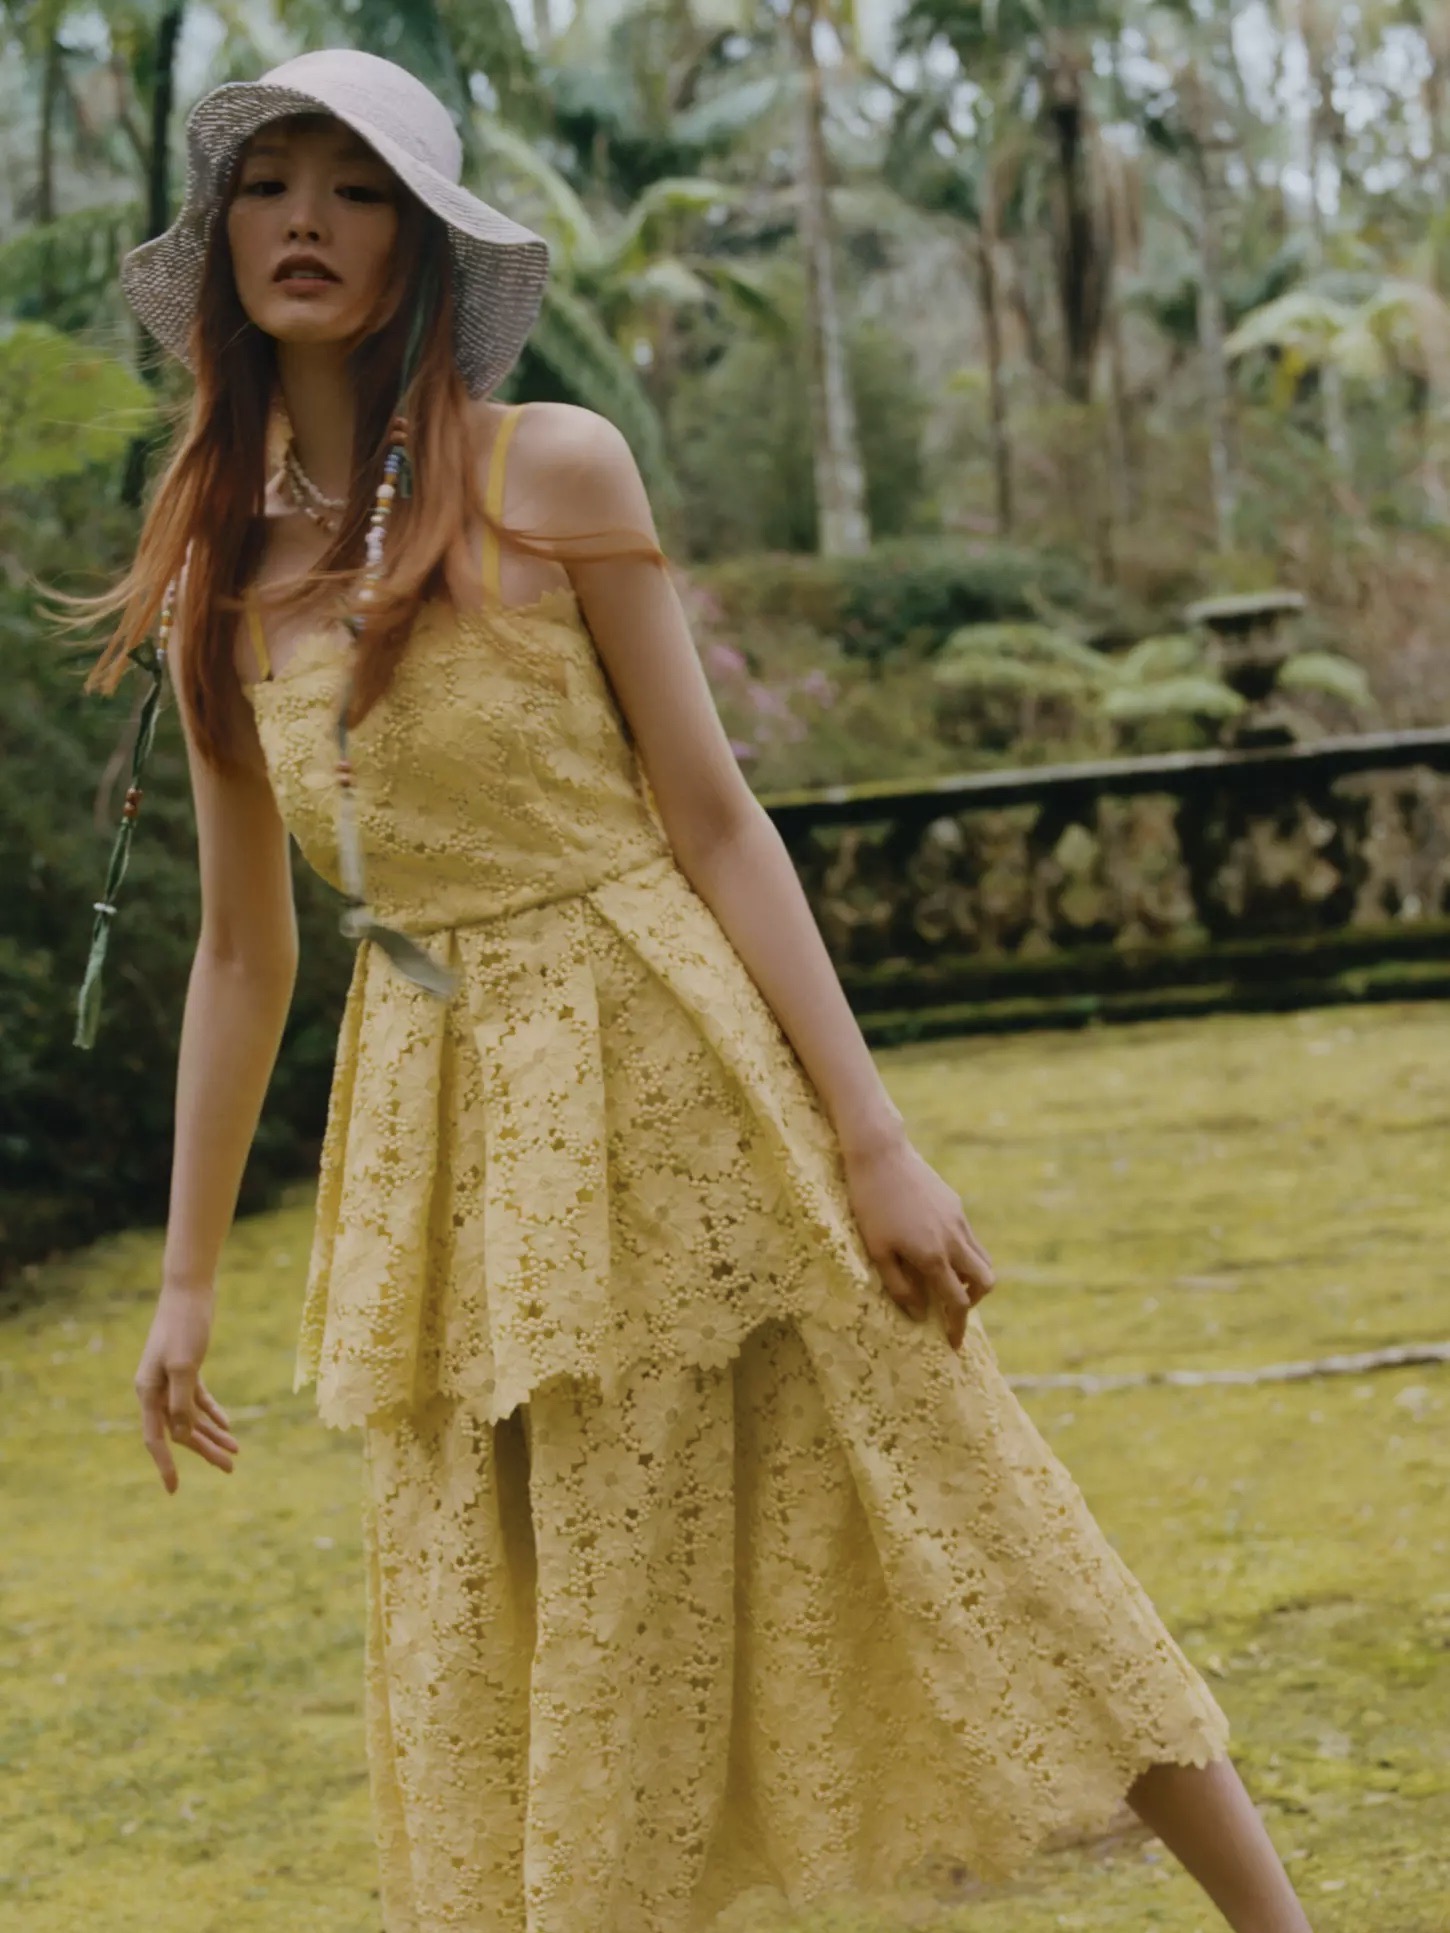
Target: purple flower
[(724, 660), (742, 748), (817, 685), (766, 700)]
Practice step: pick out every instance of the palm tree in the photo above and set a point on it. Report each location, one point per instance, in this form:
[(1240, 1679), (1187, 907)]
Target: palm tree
[(1398, 326), (1316, 24), (1037, 55), (932, 163), (778, 90), (613, 276), (845, 530), (1198, 135)]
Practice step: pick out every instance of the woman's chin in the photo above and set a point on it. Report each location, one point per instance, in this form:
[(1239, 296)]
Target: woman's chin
[(290, 322)]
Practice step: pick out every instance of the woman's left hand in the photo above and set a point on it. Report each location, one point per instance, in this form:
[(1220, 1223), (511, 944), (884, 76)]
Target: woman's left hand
[(917, 1233)]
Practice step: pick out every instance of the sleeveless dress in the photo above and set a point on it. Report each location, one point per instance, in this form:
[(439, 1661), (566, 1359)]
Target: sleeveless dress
[(693, 1564)]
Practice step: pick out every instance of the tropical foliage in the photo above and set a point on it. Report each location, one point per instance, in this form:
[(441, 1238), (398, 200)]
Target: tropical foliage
[(963, 343)]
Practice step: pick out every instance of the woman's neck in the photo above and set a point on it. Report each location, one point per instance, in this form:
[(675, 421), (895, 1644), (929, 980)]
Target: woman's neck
[(318, 394)]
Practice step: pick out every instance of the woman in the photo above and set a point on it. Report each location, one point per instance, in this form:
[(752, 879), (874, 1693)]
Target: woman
[(706, 1545)]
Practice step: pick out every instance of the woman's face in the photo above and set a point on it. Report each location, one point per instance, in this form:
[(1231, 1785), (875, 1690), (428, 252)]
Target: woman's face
[(310, 186)]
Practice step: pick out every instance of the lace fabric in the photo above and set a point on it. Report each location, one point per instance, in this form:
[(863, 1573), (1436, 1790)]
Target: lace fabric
[(693, 1564), (806, 1622)]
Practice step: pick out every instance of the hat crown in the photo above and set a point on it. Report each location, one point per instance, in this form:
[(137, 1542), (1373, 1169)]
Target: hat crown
[(382, 94)]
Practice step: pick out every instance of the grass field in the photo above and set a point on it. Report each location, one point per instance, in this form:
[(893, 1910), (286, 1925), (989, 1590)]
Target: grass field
[(181, 1727)]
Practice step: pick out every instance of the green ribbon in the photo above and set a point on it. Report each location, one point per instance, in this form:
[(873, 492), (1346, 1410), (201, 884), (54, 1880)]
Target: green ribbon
[(88, 1005)]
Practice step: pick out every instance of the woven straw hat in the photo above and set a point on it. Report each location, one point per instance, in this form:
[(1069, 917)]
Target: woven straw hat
[(500, 267)]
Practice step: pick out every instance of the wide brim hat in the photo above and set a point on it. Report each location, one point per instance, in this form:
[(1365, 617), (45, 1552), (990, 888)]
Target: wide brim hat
[(499, 266)]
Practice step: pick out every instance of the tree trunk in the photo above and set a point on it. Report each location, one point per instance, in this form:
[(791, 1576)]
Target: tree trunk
[(992, 329), (1323, 141), (842, 526), (1075, 243), (45, 157), (1210, 343), (50, 86), (543, 27), (158, 211), (1122, 448)]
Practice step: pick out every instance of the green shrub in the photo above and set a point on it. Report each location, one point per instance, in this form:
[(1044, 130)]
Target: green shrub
[(86, 1136), (913, 592)]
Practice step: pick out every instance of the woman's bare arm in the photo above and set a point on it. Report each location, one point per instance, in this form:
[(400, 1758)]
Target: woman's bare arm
[(237, 1002), (583, 476)]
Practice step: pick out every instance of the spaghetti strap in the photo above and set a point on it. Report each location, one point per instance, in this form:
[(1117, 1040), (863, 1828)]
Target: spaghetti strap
[(259, 637), (493, 497)]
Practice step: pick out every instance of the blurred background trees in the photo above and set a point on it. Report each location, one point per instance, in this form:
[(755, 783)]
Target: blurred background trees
[(962, 342)]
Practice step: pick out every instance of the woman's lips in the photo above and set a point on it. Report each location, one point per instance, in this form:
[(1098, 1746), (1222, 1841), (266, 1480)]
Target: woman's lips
[(306, 279), (304, 271)]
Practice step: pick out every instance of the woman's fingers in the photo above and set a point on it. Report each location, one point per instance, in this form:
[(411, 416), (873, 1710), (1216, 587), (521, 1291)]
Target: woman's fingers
[(953, 1299), (210, 1404), (212, 1443), (181, 1404), (904, 1288), (971, 1263), (208, 1435), (153, 1435)]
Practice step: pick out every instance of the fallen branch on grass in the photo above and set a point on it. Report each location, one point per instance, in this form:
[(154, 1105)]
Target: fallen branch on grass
[(1402, 1356)]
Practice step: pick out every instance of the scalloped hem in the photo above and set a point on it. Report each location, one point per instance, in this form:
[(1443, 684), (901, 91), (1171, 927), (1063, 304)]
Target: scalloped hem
[(919, 1874), (684, 1643)]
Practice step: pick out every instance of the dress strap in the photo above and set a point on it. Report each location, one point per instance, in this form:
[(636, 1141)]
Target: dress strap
[(493, 497), (259, 637)]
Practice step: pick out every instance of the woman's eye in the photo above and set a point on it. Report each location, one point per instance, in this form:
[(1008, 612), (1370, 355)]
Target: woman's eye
[(266, 185), (365, 194)]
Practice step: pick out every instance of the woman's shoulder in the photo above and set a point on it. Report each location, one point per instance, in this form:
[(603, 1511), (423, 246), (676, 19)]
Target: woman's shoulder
[(570, 465)]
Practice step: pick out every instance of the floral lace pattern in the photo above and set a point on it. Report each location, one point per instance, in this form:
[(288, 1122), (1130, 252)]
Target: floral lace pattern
[(605, 1146), (693, 1563), (805, 1621)]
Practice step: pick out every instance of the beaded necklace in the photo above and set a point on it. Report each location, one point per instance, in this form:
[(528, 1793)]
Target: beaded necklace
[(357, 920), (320, 508)]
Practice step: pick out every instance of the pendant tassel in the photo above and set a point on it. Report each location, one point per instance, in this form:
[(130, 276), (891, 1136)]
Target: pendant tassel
[(153, 659)]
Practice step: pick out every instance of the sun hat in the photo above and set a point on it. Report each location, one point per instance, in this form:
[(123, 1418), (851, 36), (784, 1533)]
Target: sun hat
[(499, 266)]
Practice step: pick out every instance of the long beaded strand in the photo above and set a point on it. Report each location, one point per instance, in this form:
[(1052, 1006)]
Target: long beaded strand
[(358, 920), (153, 659)]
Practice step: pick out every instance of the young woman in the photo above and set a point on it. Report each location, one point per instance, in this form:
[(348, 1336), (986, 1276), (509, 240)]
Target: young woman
[(706, 1545)]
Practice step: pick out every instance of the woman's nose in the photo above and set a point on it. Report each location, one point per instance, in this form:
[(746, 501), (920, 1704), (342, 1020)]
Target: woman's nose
[(304, 212)]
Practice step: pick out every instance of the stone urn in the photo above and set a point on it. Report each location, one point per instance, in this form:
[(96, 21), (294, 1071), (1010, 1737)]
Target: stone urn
[(1250, 641)]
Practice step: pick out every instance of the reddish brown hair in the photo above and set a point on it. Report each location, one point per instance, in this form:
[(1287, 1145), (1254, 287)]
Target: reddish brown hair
[(211, 491)]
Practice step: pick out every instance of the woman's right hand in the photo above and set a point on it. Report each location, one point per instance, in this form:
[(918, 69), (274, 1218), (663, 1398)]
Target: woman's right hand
[(169, 1386)]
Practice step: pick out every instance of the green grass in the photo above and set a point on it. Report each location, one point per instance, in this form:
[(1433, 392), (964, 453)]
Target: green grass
[(180, 1727)]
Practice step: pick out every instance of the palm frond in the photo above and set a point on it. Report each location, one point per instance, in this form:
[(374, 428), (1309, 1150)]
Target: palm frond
[(1327, 672), (723, 117), (1193, 697), (745, 291), (657, 217), (1169, 655), (592, 369), (542, 197)]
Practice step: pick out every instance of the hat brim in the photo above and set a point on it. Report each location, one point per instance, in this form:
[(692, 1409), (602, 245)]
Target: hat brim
[(500, 267)]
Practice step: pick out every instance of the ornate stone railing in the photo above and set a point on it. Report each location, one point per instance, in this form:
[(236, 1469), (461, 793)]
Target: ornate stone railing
[(1272, 876)]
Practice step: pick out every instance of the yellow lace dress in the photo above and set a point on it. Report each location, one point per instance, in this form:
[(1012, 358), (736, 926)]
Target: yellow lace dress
[(694, 1565)]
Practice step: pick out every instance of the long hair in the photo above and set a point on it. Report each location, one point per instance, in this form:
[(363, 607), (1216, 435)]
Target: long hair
[(211, 492)]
